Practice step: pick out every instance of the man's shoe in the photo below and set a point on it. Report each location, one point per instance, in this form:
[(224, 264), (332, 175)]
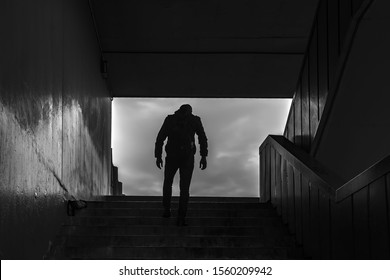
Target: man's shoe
[(167, 213)]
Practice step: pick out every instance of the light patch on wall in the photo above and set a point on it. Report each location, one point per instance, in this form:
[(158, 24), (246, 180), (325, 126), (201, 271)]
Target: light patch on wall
[(235, 129)]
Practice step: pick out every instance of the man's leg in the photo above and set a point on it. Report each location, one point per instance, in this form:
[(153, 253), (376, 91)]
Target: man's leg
[(171, 166), (186, 170)]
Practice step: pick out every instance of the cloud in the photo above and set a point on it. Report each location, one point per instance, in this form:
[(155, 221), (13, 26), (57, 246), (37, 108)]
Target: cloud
[(235, 129)]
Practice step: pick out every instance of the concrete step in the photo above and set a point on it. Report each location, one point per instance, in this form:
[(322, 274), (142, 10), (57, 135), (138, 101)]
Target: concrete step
[(157, 212), (175, 253), (176, 198), (173, 230), (175, 241), (194, 221), (174, 205), (131, 227)]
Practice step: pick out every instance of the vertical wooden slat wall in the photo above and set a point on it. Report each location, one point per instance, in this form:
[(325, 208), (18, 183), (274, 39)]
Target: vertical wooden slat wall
[(345, 17), (323, 83), (263, 174), (306, 215), (298, 206), (313, 83), (284, 192), (319, 69), (278, 187), (371, 220), (378, 219), (268, 172), (324, 225), (361, 224), (388, 205), (305, 95), (357, 227), (290, 198), (314, 221), (273, 176), (342, 231)]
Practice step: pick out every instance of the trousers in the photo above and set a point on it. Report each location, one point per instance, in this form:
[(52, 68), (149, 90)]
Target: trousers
[(185, 165)]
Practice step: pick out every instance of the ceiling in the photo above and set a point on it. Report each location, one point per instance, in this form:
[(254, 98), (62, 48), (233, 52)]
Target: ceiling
[(199, 48)]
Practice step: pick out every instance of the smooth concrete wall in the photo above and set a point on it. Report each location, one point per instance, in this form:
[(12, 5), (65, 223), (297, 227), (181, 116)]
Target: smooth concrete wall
[(55, 120), (357, 133)]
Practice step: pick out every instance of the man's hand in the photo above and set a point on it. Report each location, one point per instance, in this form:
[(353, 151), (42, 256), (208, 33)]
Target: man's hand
[(203, 163), (159, 163)]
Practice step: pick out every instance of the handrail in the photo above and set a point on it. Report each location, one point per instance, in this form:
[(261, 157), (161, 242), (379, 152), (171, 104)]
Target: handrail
[(329, 218), (374, 172), (320, 175), (317, 173)]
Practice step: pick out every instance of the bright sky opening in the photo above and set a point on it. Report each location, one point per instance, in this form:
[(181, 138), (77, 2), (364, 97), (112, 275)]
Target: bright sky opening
[(235, 129)]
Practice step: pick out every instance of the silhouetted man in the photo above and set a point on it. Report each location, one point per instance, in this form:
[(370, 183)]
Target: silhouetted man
[(180, 129)]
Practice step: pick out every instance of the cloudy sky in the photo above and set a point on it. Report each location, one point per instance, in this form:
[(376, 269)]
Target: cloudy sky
[(235, 128)]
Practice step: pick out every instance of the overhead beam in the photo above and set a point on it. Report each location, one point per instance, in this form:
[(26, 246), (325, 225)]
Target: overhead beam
[(228, 75)]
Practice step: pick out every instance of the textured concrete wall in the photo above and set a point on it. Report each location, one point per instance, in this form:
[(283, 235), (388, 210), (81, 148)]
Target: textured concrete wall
[(55, 120)]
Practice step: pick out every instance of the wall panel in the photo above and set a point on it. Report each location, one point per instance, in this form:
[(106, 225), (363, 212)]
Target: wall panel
[(290, 126), (345, 16), (361, 224), (291, 198), (342, 231), (278, 188), (388, 201), (284, 192), (314, 222), (333, 39), (298, 205), (324, 225), (319, 68), (54, 120), (263, 197), (322, 22), (297, 138), (313, 84), (379, 227), (305, 107), (306, 216), (273, 175), (268, 172)]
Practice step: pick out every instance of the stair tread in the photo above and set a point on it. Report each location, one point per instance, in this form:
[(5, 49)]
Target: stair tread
[(176, 198), (131, 227), (154, 253), (178, 247)]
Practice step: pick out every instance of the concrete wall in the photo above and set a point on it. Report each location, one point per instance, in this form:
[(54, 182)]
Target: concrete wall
[(55, 120), (357, 133)]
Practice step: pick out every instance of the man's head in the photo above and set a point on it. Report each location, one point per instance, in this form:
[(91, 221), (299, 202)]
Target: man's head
[(185, 110)]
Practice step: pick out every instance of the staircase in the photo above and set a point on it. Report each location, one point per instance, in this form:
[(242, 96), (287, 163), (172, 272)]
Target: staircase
[(131, 227)]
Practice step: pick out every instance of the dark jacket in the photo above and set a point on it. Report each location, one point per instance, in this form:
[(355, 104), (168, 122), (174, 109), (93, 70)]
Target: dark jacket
[(180, 131)]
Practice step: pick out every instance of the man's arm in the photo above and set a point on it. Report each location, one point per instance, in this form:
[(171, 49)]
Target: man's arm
[(161, 136), (202, 139)]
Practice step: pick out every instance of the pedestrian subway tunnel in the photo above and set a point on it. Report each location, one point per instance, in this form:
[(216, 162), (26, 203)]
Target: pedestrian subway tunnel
[(64, 61)]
